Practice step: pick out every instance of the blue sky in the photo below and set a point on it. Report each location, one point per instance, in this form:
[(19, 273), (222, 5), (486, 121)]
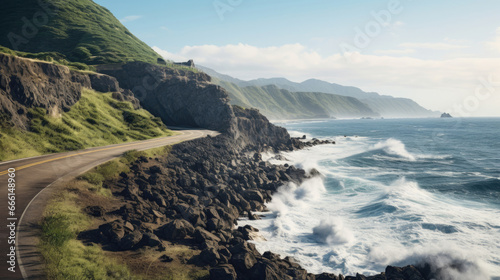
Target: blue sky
[(436, 52)]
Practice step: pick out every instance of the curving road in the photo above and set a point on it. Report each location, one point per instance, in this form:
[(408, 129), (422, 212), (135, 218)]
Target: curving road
[(35, 180)]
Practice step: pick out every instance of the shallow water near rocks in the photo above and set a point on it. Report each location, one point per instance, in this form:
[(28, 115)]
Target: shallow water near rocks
[(393, 192)]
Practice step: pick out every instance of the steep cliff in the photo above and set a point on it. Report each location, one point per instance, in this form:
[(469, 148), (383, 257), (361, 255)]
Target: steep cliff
[(26, 83), (186, 98), (179, 97)]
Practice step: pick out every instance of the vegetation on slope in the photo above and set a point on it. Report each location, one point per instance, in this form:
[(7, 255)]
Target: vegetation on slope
[(81, 30), (52, 57), (67, 257), (95, 120), (276, 103)]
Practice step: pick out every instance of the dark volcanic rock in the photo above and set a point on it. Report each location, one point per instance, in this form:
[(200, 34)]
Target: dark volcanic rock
[(403, 273), (113, 231), (176, 230), (326, 276), (130, 240), (150, 239), (223, 272)]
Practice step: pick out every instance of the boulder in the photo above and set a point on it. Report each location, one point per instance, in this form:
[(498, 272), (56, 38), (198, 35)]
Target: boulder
[(267, 270), (210, 256), (113, 231), (254, 195), (150, 239), (201, 235), (243, 261), (130, 240), (176, 230), (326, 276), (223, 272)]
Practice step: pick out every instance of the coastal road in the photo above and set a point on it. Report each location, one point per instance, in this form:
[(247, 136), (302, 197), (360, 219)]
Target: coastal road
[(35, 181)]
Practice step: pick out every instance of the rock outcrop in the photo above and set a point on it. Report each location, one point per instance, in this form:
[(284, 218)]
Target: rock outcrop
[(178, 97), (186, 98), (26, 84), (189, 63)]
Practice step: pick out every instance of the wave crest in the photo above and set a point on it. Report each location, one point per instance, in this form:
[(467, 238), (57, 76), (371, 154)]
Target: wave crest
[(448, 265), (332, 231), (396, 148)]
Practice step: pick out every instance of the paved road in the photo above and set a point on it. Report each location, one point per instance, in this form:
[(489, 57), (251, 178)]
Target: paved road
[(35, 180)]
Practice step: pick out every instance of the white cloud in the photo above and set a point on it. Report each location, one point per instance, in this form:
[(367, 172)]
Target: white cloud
[(436, 84), (495, 44), (433, 46), (169, 56), (130, 18), (395, 52)]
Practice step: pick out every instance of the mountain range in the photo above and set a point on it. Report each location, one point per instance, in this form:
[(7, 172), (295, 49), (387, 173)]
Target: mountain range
[(279, 98)]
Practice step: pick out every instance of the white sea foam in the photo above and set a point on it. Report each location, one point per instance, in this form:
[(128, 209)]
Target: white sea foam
[(395, 147), (358, 224), (332, 231)]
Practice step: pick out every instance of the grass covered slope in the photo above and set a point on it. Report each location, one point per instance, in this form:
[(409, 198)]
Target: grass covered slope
[(81, 30), (52, 57), (276, 103), (95, 120)]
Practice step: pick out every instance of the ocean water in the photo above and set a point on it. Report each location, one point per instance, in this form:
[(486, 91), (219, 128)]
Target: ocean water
[(393, 192)]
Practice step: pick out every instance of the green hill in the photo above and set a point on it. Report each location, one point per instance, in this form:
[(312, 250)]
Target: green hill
[(81, 30), (276, 103)]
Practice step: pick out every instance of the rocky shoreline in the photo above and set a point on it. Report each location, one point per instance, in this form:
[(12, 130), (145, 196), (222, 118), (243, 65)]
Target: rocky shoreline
[(195, 196)]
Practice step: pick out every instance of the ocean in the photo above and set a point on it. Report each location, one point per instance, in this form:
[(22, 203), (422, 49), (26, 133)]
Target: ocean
[(392, 192)]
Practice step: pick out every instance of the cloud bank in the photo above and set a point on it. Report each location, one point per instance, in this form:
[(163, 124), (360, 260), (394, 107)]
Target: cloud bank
[(436, 84)]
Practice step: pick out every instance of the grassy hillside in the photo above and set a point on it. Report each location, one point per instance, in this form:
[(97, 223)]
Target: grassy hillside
[(276, 103), (52, 57), (81, 30), (95, 120)]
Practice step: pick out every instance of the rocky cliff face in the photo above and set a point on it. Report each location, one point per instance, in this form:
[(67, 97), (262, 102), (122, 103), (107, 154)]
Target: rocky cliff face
[(180, 98), (253, 127), (186, 98), (26, 84)]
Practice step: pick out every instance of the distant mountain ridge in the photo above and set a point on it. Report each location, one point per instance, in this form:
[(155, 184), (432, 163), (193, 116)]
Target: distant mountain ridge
[(276, 103), (379, 105)]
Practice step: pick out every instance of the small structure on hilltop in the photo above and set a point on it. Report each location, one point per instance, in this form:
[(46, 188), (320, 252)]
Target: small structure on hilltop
[(189, 63)]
